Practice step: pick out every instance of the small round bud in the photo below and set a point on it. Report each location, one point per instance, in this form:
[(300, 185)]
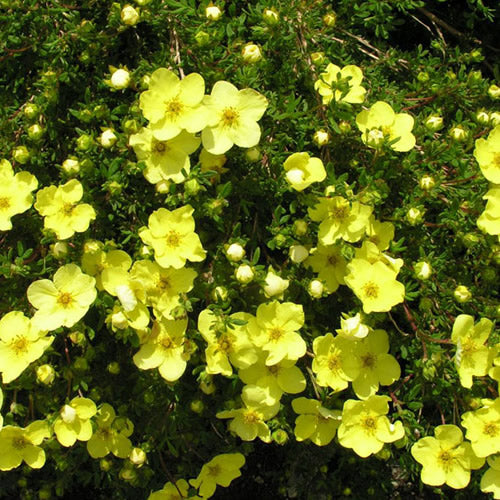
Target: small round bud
[(434, 123), (71, 166), (470, 239), (113, 368), (280, 436), (129, 15), (21, 154), (31, 111), (202, 38), (330, 190), (253, 154), (108, 138), (207, 385), (35, 132), (59, 249), (244, 274), (212, 12), (197, 406), (494, 91), (299, 227), (84, 142), (120, 79), (163, 186), (423, 77), (114, 188), (105, 464), (80, 364), (251, 53), (475, 76), (345, 127), (462, 294), (426, 182), (423, 270), (45, 374), (137, 456), (414, 216), (68, 414), (271, 16), (482, 117), (119, 321), (298, 253), (458, 133), (495, 118), (321, 137), (219, 293), (235, 252), (316, 289), (274, 285), (384, 454), (330, 19), (192, 187), (127, 474), (317, 58)]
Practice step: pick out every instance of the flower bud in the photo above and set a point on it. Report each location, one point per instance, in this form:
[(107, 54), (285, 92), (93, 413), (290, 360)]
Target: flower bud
[(353, 327), (120, 79), (321, 137), (59, 249), (45, 374), (414, 216), (299, 227), (71, 166), (129, 15), (119, 321), (426, 182), (280, 436), (107, 138), (423, 270), (482, 117), (345, 127), (127, 473), (35, 132), (271, 16), (105, 464), (318, 58), (219, 293), (192, 187), (21, 154), (163, 186), (298, 253), (197, 406), (202, 38), (458, 133), (244, 274), (84, 142), (137, 456), (330, 19), (68, 414), (207, 385), (141, 3), (495, 118), (253, 154), (494, 91), (113, 368), (235, 252), (425, 304), (212, 12), (274, 285), (31, 111), (423, 77), (475, 76), (251, 53), (462, 294), (434, 123), (316, 289)]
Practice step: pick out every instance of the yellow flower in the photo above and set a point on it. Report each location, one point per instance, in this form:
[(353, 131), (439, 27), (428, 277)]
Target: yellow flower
[(340, 219), (341, 84), (375, 285), (64, 301), (172, 105), (172, 236), (490, 482), (95, 260), (380, 233), (221, 470), (487, 154), (1, 403), (274, 285), (328, 262), (228, 342), (164, 159), (73, 422), (21, 343), (302, 170), (365, 427), (233, 118), (249, 422), (483, 429), (18, 445), (63, 214), (275, 331), (171, 491), (379, 125), (446, 459), (15, 193), (164, 349), (111, 435), (315, 422), (489, 220), (473, 357)]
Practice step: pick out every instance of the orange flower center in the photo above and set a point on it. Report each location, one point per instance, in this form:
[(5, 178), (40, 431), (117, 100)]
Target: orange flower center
[(65, 299), (20, 345), (230, 117), (214, 470), (160, 147), (68, 208), (334, 362), (4, 203), (19, 442), (369, 424), (225, 343), (490, 429), (339, 212), (173, 108), (332, 260), (368, 360), (173, 239), (251, 417), (371, 290), (275, 334)]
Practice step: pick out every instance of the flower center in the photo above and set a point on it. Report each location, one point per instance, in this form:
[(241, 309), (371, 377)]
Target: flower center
[(251, 417), (173, 239), (369, 424), (166, 342), (164, 284), (370, 290), (19, 443), (368, 360), (275, 334), (173, 108), (230, 117), (4, 203), (339, 212), (490, 429), (334, 362), (68, 208), (445, 458), (496, 160), (225, 343), (65, 299), (20, 345), (214, 470), (332, 260), (160, 147)]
